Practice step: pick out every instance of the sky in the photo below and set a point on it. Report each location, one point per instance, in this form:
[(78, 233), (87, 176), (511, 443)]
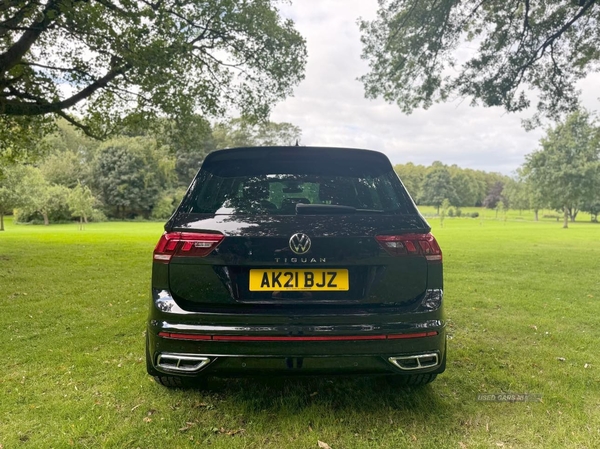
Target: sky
[(330, 108)]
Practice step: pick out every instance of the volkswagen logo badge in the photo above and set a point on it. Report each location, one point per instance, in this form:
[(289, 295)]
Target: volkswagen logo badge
[(300, 243)]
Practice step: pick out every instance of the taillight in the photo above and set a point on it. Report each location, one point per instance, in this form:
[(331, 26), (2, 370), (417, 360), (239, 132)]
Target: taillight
[(411, 245), (185, 244)]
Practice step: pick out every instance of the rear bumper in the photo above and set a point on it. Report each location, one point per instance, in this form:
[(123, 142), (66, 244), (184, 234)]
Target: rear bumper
[(349, 342)]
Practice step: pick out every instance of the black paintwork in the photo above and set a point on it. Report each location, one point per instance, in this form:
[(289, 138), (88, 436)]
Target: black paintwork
[(210, 295)]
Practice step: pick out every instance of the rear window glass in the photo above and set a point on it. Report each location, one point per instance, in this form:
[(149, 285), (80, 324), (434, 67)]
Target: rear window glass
[(275, 184), (278, 194)]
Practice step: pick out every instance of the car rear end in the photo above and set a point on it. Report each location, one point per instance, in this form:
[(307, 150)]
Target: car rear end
[(296, 260)]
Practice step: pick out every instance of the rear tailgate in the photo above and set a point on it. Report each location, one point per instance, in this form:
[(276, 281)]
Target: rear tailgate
[(340, 246)]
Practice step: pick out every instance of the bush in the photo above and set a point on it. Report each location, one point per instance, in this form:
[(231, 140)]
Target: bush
[(61, 214), (474, 214), (167, 204), (451, 212), (458, 212), (97, 215)]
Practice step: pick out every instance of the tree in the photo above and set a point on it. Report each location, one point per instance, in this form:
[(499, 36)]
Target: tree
[(437, 186), (566, 170), (516, 194), (39, 196), (411, 176), (592, 206), (494, 196), (81, 203), (64, 168), (96, 63), (465, 187), (521, 46), (10, 192), (536, 200), (130, 173)]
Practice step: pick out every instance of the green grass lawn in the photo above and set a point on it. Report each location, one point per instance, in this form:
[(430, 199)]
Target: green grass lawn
[(522, 298)]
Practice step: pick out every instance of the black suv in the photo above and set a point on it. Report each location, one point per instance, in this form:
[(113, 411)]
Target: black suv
[(296, 260)]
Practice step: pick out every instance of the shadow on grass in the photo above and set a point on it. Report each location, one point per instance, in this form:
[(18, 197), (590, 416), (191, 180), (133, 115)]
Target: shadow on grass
[(336, 394)]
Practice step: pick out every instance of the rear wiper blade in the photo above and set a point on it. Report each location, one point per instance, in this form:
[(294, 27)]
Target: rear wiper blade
[(309, 209)]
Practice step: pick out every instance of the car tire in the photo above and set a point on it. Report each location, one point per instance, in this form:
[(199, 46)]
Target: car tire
[(170, 381)]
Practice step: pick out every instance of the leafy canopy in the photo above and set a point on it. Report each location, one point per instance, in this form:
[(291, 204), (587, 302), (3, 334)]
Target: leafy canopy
[(95, 63), (566, 169), (518, 45)]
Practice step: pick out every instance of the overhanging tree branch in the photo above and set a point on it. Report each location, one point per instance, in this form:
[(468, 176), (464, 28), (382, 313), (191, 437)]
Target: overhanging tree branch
[(15, 53), (15, 107)]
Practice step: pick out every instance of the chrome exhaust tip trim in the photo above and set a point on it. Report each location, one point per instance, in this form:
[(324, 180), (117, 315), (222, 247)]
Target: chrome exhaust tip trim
[(411, 362), (181, 363)]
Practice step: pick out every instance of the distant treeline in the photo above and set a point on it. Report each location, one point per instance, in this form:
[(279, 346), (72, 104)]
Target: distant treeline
[(563, 174), (462, 187), (143, 173)]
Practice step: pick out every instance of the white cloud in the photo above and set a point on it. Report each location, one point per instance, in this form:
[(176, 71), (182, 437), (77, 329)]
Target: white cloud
[(330, 107)]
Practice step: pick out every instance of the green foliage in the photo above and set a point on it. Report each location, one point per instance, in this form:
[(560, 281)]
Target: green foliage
[(167, 204), (21, 138), (38, 196), (437, 186), (566, 169), (411, 176), (516, 193), (520, 46), (141, 174), (470, 186), (167, 58), (591, 205), (11, 191), (81, 202), (466, 188), (64, 168), (129, 174)]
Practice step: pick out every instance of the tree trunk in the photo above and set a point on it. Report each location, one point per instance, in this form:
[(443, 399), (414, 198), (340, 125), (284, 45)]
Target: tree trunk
[(566, 222), (438, 209), (46, 221), (80, 223), (537, 218), (1, 221)]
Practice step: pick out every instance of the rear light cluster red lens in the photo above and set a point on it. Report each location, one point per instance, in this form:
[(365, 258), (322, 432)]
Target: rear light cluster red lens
[(185, 244), (411, 245)]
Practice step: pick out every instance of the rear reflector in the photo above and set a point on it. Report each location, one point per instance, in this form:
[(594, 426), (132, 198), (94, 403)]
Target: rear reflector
[(411, 245), (185, 244), (176, 336)]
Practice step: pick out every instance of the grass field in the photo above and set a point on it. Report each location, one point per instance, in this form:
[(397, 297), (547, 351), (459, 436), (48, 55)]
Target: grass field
[(522, 298)]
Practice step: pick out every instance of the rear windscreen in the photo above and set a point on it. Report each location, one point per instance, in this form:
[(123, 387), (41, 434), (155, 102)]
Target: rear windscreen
[(275, 185)]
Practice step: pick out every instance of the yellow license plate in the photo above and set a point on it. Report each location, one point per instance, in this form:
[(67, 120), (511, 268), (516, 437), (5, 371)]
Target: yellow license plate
[(299, 280)]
